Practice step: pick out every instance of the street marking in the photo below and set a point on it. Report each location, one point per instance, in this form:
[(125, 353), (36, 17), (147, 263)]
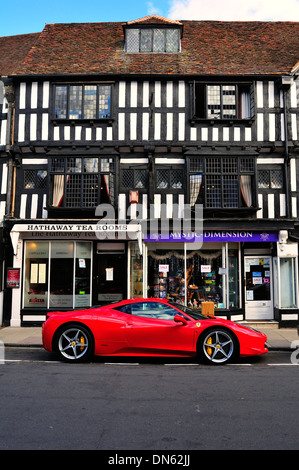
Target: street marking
[(121, 364), (173, 365), (284, 364), (29, 360)]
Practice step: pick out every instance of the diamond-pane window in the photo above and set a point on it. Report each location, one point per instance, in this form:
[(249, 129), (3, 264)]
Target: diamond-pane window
[(276, 179), (176, 179), (263, 179), (162, 179), (35, 179)]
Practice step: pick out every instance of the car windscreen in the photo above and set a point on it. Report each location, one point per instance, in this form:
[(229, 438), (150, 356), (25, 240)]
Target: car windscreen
[(192, 313)]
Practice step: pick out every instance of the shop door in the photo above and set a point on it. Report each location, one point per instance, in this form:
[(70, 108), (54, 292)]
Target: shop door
[(110, 278), (258, 288)]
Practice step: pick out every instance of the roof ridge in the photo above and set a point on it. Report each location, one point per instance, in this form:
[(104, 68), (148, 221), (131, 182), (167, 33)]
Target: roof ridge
[(153, 17)]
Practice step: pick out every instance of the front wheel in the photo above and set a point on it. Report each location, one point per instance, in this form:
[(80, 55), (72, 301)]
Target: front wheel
[(217, 346), (74, 343)]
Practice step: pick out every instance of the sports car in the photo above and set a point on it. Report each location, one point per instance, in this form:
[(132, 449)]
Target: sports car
[(148, 327)]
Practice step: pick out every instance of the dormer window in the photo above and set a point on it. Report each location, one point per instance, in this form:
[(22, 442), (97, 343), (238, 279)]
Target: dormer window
[(152, 34), (152, 40)]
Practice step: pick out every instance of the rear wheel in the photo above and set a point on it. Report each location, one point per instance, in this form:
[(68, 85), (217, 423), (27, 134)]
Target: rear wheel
[(74, 343), (217, 346)]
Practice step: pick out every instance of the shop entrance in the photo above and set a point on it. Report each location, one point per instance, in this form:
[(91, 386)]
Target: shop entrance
[(258, 288), (110, 275)]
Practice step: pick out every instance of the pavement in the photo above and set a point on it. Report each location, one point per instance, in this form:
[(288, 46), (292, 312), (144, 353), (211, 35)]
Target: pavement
[(11, 336)]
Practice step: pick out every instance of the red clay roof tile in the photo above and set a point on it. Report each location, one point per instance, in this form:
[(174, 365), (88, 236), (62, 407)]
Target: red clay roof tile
[(207, 48)]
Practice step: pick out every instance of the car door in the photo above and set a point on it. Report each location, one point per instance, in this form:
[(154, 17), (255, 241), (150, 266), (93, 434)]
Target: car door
[(152, 330)]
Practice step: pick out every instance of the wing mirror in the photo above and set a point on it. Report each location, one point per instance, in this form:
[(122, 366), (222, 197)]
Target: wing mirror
[(179, 319)]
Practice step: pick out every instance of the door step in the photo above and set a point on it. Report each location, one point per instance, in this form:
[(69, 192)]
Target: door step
[(260, 323)]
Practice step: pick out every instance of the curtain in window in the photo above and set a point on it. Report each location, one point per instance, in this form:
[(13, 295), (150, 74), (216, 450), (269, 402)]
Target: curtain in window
[(58, 190), (195, 184), (246, 190), (245, 105)]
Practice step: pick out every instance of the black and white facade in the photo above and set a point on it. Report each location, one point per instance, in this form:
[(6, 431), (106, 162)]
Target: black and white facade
[(158, 143)]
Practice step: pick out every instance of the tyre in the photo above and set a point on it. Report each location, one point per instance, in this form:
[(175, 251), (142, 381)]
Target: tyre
[(74, 343), (217, 346)]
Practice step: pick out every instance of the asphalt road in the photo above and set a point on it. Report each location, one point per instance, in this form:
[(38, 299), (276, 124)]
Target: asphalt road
[(153, 405)]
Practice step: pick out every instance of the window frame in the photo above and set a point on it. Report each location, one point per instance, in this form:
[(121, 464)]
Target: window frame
[(151, 28), (199, 90), (221, 173), (169, 189), (36, 188), (270, 170), (65, 172), (55, 118)]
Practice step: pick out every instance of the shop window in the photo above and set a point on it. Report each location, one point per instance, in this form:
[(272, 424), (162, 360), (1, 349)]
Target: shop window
[(36, 275), (82, 182), (288, 283), (82, 101), (166, 277), (136, 274), (233, 278), (61, 274), (82, 274), (221, 182), (203, 278), (149, 39), (223, 101), (57, 274)]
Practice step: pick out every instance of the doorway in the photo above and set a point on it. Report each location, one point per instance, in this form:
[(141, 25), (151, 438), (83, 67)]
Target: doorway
[(258, 288), (110, 277)]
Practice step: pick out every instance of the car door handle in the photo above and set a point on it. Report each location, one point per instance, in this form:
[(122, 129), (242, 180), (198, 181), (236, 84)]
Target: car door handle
[(129, 323)]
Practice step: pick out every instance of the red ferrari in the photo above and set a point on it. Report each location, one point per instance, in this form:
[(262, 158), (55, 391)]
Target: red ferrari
[(148, 327)]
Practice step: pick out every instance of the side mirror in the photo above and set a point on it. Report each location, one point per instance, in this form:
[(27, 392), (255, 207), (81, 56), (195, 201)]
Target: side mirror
[(179, 319)]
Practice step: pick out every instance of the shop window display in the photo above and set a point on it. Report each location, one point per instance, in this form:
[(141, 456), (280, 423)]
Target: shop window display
[(54, 272), (36, 274), (204, 278), (136, 285), (210, 274), (166, 275)]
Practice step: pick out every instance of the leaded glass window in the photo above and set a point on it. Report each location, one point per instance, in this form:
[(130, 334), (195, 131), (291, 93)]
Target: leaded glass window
[(222, 101), (219, 182), (82, 181), (270, 179), (153, 39), (83, 101)]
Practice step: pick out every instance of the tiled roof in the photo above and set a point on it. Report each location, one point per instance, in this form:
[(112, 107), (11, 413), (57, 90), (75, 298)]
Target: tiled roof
[(207, 48), (13, 49), (154, 19)]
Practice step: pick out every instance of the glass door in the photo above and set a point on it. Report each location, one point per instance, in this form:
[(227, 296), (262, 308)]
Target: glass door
[(258, 288), (110, 278)]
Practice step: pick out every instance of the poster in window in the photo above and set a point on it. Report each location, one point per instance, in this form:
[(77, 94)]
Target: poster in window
[(13, 277)]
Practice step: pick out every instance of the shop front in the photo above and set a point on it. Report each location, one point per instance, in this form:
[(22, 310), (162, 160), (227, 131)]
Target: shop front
[(246, 275), (243, 273), (66, 267)]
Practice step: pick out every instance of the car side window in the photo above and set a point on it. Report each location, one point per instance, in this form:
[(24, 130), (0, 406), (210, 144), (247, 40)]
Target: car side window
[(153, 310), (124, 309)]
